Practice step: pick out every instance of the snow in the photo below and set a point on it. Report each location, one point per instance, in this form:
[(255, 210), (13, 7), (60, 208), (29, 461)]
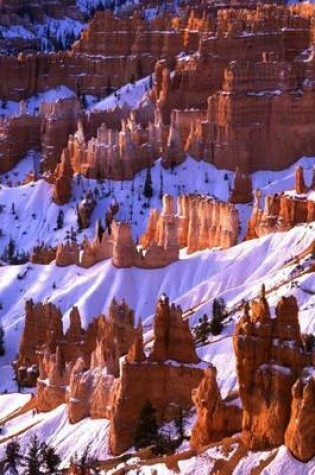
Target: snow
[(9, 404), (33, 103), (55, 429), (128, 95)]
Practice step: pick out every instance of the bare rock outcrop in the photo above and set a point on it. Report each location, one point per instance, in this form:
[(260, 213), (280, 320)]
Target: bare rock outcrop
[(282, 211), (63, 180), (173, 339), (270, 357), (215, 418), (300, 433)]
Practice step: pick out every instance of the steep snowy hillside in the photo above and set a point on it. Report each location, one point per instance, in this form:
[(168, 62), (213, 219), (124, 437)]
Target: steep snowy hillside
[(234, 274), (29, 224)]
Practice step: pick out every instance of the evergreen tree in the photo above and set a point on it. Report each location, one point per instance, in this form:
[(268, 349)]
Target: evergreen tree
[(84, 464), (218, 315), (51, 460), (10, 251), (2, 345), (161, 186), (147, 429), (12, 457), (180, 424), (148, 190), (60, 219), (34, 458), (202, 329)]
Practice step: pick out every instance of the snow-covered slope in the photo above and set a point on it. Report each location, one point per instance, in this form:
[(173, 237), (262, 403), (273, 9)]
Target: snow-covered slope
[(233, 274), (33, 103), (31, 224)]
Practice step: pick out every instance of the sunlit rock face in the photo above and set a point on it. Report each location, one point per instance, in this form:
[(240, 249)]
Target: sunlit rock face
[(270, 360)]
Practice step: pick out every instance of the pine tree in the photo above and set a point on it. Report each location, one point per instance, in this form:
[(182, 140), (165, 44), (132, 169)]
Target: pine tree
[(2, 344), (218, 315), (147, 429), (60, 219), (51, 460), (33, 459), (10, 251), (12, 457), (180, 424), (202, 329), (84, 464), (161, 186), (148, 190)]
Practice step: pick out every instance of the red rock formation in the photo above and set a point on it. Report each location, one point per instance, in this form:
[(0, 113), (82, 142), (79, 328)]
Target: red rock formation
[(242, 190), (281, 212), (85, 209), (43, 333), (173, 340), (300, 186), (270, 357), (43, 325), (225, 35), (43, 254), (67, 254), (300, 433), (62, 188), (52, 382), (215, 418), (200, 223), (115, 154), (18, 135), (58, 120), (168, 376)]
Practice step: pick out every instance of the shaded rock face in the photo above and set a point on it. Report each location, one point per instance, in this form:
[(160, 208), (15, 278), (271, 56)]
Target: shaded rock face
[(242, 189), (300, 433), (43, 325), (166, 378), (270, 357), (46, 132), (215, 418), (24, 132)]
